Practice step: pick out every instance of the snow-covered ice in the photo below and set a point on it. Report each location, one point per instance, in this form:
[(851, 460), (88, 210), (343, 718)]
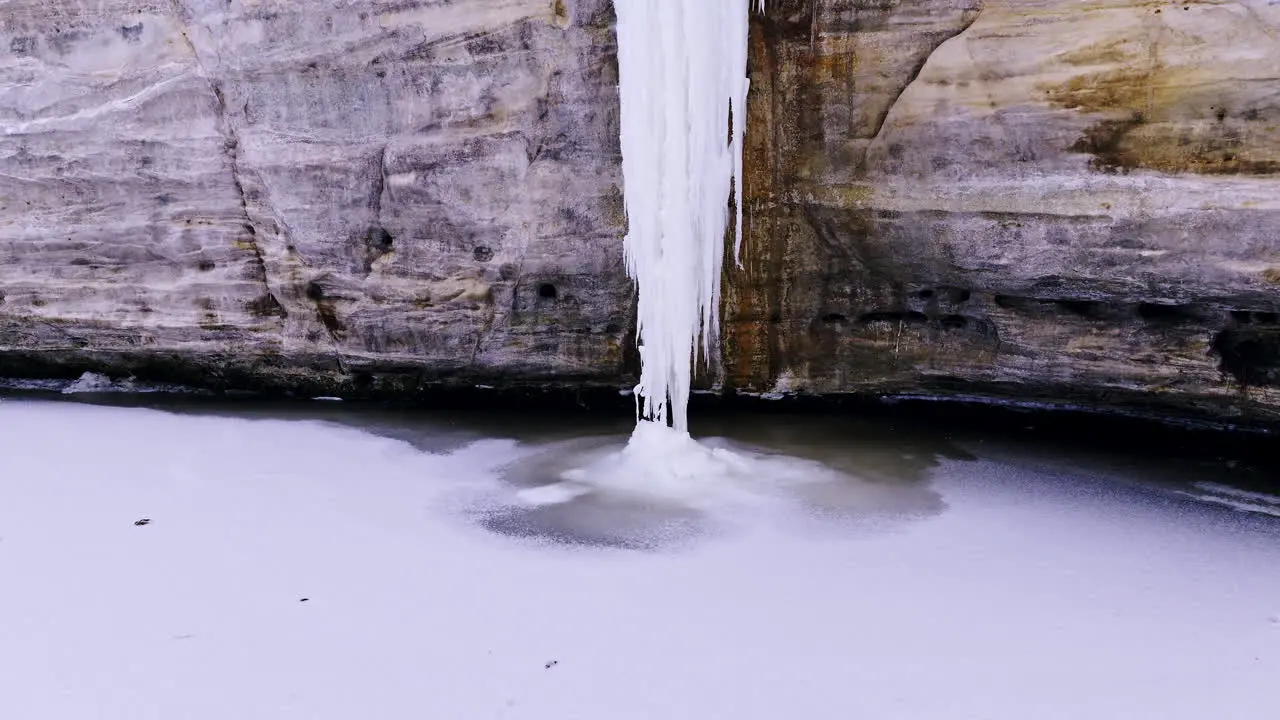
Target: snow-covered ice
[(304, 569)]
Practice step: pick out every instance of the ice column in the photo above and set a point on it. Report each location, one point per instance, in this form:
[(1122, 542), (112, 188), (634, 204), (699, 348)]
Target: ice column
[(682, 72)]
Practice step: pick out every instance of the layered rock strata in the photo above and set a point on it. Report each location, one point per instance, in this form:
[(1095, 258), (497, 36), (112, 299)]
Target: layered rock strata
[(1042, 200), (367, 193)]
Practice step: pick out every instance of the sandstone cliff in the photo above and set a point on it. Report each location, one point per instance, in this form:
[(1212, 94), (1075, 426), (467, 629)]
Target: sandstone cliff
[(1032, 199), (366, 193)]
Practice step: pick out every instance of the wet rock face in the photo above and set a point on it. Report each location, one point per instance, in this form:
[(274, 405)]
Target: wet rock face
[(1036, 200), (357, 191)]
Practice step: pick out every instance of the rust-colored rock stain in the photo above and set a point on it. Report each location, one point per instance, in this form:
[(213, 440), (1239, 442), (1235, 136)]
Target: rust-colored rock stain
[(780, 66), (1161, 117)]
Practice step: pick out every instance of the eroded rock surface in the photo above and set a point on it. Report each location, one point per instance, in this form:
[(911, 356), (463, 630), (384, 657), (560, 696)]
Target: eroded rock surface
[(1036, 199), (365, 192), (1031, 199)]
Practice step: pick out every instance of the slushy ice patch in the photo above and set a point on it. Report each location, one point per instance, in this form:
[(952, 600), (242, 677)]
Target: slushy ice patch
[(661, 487)]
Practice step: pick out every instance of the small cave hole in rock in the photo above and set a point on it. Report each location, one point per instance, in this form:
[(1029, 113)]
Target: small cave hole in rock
[(1267, 318), (947, 294), (206, 265), (314, 291), (547, 291), (1082, 308), (1244, 317), (1165, 312), (954, 322), (380, 240), (131, 33), (1252, 357), (482, 254)]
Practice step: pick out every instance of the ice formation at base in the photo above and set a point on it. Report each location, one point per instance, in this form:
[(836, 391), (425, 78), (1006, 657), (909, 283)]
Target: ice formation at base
[(95, 383), (660, 464), (682, 68), (662, 468), (662, 488)]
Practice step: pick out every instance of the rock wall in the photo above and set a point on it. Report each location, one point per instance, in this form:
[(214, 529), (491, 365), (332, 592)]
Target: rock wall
[(354, 192), (1039, 200)]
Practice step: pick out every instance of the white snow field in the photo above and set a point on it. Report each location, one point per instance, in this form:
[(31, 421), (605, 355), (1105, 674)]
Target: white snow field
[(307, 569)]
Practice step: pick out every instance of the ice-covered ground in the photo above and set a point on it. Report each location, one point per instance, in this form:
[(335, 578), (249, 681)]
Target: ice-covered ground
[(301, 569)]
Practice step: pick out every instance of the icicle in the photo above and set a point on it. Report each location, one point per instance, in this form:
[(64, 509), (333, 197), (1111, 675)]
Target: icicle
[(682, 67)]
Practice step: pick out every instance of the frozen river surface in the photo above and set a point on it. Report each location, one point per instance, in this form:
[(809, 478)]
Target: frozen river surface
[(235, 565)]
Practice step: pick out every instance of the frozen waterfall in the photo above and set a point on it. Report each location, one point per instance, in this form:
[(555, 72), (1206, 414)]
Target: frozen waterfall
[(682, 67)]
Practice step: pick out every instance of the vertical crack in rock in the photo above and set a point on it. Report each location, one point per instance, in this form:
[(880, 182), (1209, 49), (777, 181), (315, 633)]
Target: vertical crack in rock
[(380, 187), (250, 200), (231, 144), (377, 242)]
